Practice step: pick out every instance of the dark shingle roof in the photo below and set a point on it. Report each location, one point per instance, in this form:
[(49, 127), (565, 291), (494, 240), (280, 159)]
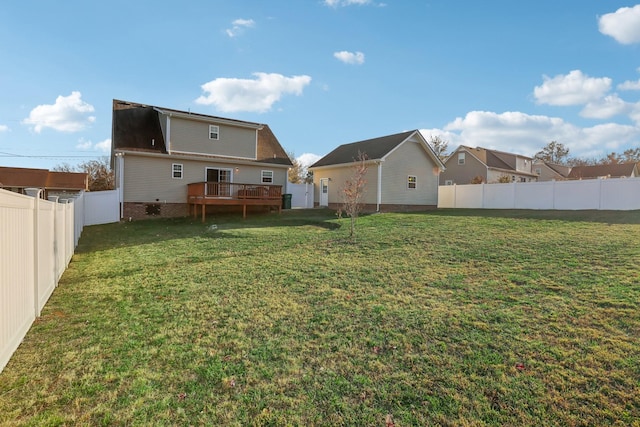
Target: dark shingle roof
[(374, 149)]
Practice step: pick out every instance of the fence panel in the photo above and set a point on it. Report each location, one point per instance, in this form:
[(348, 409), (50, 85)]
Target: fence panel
[(597, 194), (17, 260), (101, 207)]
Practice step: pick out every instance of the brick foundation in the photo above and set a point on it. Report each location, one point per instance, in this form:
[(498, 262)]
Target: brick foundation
[(386, 208)]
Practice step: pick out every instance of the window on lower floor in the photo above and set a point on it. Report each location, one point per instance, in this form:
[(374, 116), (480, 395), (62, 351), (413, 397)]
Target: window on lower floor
[(412, 181), (176, 170), (448, 182), (267, 177)]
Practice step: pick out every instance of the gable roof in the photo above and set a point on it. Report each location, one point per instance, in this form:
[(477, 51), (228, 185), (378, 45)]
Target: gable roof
[(611, 170), (375, 149), (137, 127), (42, 178), (494, 159)]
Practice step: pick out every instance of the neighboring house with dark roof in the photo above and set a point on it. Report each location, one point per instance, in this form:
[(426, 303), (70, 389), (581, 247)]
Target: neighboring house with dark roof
[(58, 184), (168, 161), (547, 171), (402, 173), (620, 170), (466, 165)]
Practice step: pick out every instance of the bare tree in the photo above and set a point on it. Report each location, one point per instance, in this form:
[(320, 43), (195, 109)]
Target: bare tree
[(553, 152), (101, 177), (440, 147), (353, 191)]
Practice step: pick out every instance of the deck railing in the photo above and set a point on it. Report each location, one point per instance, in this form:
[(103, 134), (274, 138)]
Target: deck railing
[(233, 190)]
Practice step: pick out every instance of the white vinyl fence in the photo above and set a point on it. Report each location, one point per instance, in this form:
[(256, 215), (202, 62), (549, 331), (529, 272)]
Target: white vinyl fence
[(101, 207), (596, 194), (301, 195), (37, 240)]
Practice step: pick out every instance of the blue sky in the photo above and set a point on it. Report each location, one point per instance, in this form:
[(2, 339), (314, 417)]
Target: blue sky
[(508, 75)]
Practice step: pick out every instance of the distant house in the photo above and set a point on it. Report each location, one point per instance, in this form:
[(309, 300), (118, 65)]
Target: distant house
[(53, 184), (621, 170), (547, 171), (467, 165), (402, 173), (169, 163)]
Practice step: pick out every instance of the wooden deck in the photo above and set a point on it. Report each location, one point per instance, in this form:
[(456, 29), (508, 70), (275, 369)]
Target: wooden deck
[(231, 193)]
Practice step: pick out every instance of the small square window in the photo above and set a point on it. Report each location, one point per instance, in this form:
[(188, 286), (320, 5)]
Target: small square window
[(267, 177), (411, 181), (176, 170), (448, 182), (214, 132)]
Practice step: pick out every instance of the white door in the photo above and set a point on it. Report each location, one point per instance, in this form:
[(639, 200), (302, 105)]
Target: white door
[(324, 192)]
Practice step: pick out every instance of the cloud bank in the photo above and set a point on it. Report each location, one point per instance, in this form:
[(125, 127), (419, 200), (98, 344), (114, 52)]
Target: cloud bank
[(67, 114)]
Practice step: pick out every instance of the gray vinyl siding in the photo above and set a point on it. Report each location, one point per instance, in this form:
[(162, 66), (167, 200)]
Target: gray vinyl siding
[(149, 179), (409, 158), (190, 136), (462, 174)]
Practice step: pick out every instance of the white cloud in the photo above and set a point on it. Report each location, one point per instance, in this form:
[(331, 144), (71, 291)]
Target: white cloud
[(258, 95), (605, 108), (85, 145), (623, 25), (525, 134), (336, 3), (350, 57), (68, 114), (239, 25), (574, 88), (104, 146), (4, 128), (307, 159), (629, 85)]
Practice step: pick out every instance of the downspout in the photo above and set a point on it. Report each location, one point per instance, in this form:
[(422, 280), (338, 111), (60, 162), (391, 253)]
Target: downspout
[(120, 166), (379, 199), (169, 133)]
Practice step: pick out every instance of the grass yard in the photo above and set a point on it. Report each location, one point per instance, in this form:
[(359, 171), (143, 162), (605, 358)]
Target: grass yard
[(443, 318)]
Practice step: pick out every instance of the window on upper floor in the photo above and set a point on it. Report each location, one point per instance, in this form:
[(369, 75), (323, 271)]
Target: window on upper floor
[(214, 132), (176, 170), (267, 177), (411, 182), (461, 158), (538, 171)]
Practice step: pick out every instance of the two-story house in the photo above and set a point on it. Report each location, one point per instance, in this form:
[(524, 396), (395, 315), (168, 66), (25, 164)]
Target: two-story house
[(170, 162), (468, 165)]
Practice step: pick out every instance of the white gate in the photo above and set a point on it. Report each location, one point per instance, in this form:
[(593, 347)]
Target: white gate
[(301, 195)]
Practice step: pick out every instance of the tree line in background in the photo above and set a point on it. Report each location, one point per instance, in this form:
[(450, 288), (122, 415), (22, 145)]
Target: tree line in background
[(554, 152), (101, 176)]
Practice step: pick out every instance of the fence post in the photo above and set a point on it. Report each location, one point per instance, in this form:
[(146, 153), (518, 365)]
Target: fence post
[(35, 193)]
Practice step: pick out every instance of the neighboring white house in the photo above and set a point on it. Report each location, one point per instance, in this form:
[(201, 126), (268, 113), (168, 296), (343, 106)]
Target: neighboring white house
[(402, 173)]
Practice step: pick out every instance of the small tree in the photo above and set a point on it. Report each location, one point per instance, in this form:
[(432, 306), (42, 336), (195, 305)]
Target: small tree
[(296, 172), (101, 177), (353, 191), (504, 179), (478, 179)]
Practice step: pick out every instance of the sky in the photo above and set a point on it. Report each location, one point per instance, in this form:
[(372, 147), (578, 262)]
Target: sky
[(498, 74)]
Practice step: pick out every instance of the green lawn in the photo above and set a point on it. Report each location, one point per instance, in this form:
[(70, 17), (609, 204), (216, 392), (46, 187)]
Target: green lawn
[(444, 318)]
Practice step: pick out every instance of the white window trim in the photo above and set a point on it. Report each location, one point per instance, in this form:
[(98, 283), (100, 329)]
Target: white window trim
[(461, 158), (448, 182), (263, 176), (214, 132), (415, 182), (174, 170)]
